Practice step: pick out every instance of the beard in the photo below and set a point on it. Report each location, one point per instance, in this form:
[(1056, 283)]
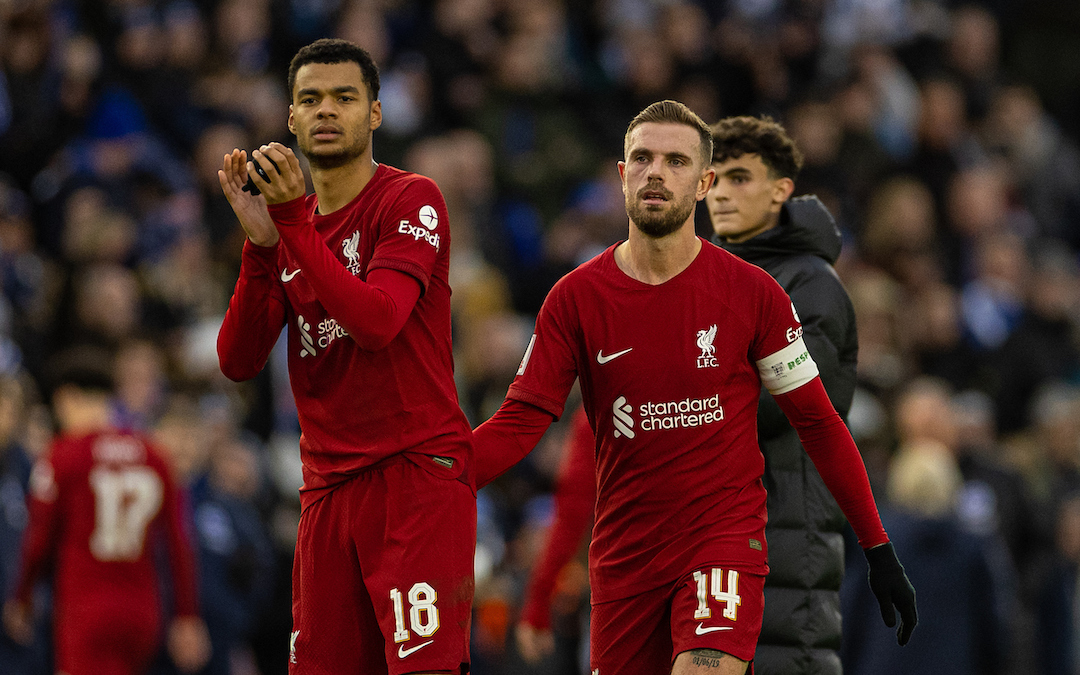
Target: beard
[(332, 159), (655, 222)]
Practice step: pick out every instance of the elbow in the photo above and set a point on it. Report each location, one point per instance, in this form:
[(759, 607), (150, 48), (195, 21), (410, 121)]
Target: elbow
[(234, 372), (373, 341), (236, 369)]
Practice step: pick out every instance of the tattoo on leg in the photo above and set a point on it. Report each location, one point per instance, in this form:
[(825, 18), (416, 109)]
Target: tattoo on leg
[(710, 658)]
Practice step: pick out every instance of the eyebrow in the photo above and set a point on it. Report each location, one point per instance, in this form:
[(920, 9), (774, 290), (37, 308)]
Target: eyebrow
[(310, 91), (670, 155)]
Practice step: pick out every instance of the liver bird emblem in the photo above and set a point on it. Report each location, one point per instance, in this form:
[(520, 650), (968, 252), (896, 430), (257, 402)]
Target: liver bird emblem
[(705, 340)]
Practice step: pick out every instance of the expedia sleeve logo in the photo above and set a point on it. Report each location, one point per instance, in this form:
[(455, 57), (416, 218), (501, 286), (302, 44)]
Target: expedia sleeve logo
[(428, 218)]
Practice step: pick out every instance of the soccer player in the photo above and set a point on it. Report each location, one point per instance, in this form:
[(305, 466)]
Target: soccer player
[(100, 499), (357, 272), (671, 338), (796, 241)]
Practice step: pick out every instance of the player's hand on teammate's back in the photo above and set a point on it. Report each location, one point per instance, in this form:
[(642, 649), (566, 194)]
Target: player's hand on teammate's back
[(533, 643), (19, 622), (189, 643), (893, 590)]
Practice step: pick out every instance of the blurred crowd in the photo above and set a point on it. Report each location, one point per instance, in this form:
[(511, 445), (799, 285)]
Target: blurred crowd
[(941, 134)]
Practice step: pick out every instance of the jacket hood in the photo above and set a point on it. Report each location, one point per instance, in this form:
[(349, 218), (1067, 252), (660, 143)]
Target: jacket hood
[(806, 227)]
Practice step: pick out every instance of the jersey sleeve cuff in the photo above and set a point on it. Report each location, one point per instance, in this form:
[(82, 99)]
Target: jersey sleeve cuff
[(409, 267), (290, 213), (548, 405)]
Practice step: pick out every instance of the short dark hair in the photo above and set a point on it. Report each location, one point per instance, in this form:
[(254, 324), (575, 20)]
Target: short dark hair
[(673, 112), (734, 137), (333, 50), (87, 367)]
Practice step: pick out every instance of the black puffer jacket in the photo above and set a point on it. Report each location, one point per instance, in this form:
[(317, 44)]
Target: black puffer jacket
[(801, 630)]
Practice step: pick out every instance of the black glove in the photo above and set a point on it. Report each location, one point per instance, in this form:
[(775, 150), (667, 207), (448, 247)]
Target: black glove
[(892, 588)]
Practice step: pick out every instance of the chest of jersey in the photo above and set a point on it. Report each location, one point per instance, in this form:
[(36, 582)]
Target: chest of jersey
[(665, 342), (353, 246)]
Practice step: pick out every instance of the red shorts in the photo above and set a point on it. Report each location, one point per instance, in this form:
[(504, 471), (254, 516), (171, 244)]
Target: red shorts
[(117, 636), (383, 575), (711, 608)]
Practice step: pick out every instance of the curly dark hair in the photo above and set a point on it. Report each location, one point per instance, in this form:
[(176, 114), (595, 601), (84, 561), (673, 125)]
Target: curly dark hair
[(734, 137), (332, 50)]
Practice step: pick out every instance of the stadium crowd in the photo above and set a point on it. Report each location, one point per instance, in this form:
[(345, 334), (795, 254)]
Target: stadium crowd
[(942, 136)]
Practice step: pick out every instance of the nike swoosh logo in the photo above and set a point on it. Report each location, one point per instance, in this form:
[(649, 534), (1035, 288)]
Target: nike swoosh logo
[(701, 630), (601, 359), (402, 652), (287, 276)]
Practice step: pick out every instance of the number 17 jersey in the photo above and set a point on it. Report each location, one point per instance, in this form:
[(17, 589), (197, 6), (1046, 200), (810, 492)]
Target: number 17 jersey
[(98, 504), (670, 375)]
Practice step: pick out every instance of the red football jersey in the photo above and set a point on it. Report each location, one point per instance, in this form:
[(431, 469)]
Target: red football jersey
[(98, 502), (670, 376), (356, 407)]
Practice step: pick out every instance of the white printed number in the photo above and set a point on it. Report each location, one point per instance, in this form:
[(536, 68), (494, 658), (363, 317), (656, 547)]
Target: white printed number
[(125, 501), (423, 614), (730, 596)]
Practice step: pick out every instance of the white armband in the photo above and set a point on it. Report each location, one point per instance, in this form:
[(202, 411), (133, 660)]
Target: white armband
[(787, 369)]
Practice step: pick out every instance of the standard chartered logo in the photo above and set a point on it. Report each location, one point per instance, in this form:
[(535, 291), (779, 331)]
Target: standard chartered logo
[(685, 414), (329, 330), (624, 423), (305, 337)]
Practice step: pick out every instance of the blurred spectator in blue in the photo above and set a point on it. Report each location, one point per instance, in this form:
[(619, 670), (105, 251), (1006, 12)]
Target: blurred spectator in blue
[(134, 168), (48, 78), (235, 554), (1044, 163), (994, 500), (972, 54), (1058, 609), (893, 99), (1043, 346), (28, 281), (967, 589), (15, 466), (945, 140), (883, 364), (992, 299), (899, 232), (142, 385), (1051, 463)]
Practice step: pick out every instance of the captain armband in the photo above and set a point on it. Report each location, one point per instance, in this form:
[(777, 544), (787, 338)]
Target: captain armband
[(787, 369)]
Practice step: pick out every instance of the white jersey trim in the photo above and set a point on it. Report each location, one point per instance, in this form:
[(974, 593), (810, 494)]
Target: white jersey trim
[(787, 369)]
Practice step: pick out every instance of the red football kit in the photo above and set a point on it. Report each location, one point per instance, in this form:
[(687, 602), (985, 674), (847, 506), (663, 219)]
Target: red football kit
[(98, 503), (364, 294), (670, 377)]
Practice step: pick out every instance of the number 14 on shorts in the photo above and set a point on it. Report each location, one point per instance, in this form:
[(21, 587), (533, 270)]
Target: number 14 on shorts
[(723, 585)]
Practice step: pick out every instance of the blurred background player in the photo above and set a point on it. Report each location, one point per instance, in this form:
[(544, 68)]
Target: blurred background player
[(101, 499)]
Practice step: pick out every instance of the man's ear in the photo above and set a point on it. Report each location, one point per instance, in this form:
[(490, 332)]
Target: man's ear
[(292, 121), (708, 177), (376, 115), (782, 190)]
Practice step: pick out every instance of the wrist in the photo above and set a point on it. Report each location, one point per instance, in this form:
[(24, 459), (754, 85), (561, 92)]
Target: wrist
[(290, 213), (882, 555)]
